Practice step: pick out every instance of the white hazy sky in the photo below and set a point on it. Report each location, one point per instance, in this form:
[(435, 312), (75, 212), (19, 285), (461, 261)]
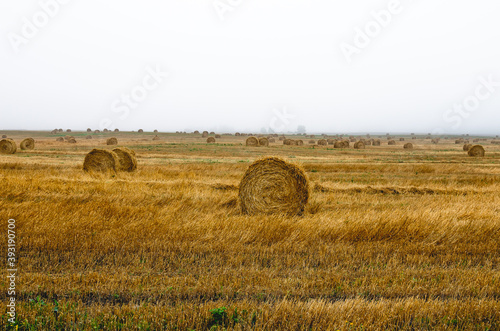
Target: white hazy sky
[(267, 64)]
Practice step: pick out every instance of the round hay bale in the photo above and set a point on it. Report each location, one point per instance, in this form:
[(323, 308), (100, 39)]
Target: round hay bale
[(467, 147), (263, 141), (476, 151), (105, 130), (156, 137), (330, 141), (67, 138), (60, 139), (117, 130), (7, 146), (97, 131), (341, 144), (204, 134), (126, 159), (288, 142), (401, 139), (69, 130), (271, 140), (273, 186), (322, 142), (408, 146), (353, 140), (299, 142), (252, 141), (140, 131), (196, 132), (210, 140), (359, 145), (112, 141), (368, 142), (391, 142), (72, 140), (217, 136), (101, 160), (237, 134), (28, 143), (376, 142), (281, 138), (88, 137), (312, 142), (89, 130), (155, 131)]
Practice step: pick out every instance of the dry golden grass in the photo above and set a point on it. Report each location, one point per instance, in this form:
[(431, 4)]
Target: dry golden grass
[(390, 239)]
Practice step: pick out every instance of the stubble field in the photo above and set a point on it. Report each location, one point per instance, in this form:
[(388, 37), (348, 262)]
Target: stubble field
[(391, 239)]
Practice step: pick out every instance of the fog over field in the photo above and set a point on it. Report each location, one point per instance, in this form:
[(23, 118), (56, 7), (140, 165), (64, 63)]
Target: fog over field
[(331, 66)]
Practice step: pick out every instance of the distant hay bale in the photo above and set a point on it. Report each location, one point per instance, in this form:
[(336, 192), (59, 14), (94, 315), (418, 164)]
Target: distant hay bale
[(476, 151), (28, 143), (299, 142), (391, 142), (126, 159), (60, 139), (196, 132), (312, 142), (69, 130), (140, 131), (155, 131), (89, 130), (330, 141), (376, 142), (368, 142), (263, 141), (353, 140), (341, 144), (467, 147), (273, 186), (459, 141), (72, 140), (408, 146), (67, 138), (217, 136), (252, 141), (212, 133), (112, 141), (271, 140), (237, 134), (105, 130), (117, 130), (414, 138), (435, 141), (101, 160), (401, 139), (359, 145), (210, 140), (156, 138), (288, 142), (7, 146), (322, 142), (204, 134), (281, 138), (88, 137), (97, 131)]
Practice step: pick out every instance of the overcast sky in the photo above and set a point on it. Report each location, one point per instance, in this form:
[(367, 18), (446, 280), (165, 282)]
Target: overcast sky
[(247, 65)]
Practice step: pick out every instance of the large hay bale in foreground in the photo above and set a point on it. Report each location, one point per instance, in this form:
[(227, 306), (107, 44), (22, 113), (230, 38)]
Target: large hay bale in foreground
[(126, 158), (467, 147), (252, 141), (210, 140), (101, 160), (7, 146), (112, 141), (359, 145), (408, 146), (28, 143), (476, 151), (263, 141), (273, 186)]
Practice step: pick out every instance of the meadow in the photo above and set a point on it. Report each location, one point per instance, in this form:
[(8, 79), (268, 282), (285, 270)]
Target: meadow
[(391, 239)]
